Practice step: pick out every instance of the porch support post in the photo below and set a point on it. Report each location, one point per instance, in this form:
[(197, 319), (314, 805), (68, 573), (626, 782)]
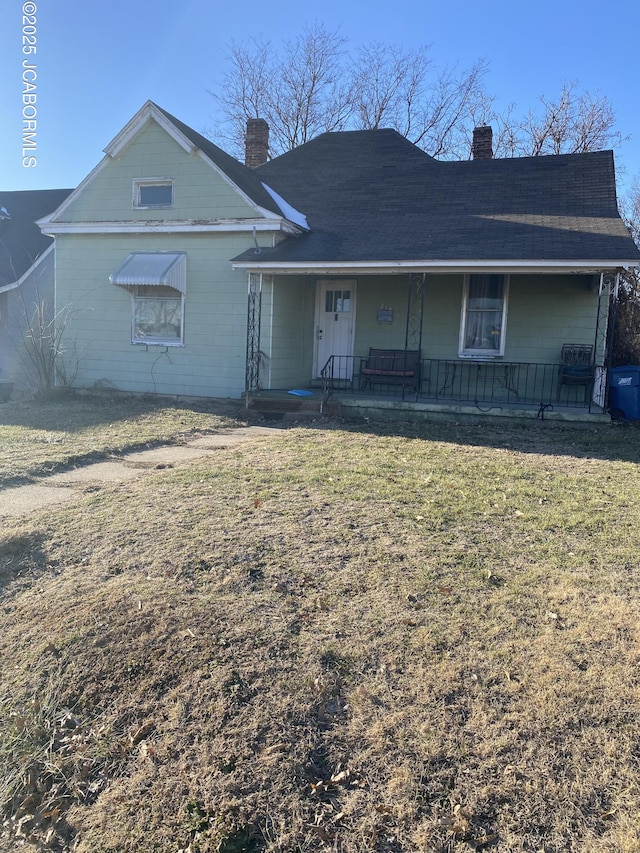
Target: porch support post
[(254, 312), (415, 313), (605, 328), (607, 306)]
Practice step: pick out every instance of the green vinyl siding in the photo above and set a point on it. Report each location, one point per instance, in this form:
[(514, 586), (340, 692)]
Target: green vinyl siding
[(544, 312), (199, 191), (372, 293), (97, 343), (288, 342), (17, 311)]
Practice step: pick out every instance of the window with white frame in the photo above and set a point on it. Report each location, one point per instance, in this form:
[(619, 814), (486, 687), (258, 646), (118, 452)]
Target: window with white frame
[(157, 315), (157, 282), (153, 192), (484, 316)]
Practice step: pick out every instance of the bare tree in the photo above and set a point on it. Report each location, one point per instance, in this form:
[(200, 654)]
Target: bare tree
[(456, 104), (245, 89), (300, 91), (402, 89), (311, 95), (630, 209), (573, 123), (626, 340), (311, 85)]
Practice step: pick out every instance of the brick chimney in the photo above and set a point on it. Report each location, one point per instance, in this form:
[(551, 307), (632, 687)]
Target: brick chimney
[(482, 147), (256, 143)]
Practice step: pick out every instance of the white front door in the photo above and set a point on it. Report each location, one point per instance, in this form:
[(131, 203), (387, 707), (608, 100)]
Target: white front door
[(334, 326)]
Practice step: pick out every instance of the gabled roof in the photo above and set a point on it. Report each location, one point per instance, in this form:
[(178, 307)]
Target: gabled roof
[(267, 205), (21, 241), (245, 179), (373, 197)]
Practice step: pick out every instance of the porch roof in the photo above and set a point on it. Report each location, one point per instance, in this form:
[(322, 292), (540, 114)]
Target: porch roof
[(372, 198)]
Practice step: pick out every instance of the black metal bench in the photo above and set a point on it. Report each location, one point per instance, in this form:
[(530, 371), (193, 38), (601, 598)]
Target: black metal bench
[(391, 367)]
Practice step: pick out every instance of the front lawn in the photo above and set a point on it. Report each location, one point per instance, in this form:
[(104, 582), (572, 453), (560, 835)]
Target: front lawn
[(356, 638), (37, 438)]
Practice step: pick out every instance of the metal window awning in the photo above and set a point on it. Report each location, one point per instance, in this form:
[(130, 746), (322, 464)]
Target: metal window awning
[(165, 269)]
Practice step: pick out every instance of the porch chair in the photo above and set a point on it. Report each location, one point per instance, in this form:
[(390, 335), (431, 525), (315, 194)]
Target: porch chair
[(576, 368)]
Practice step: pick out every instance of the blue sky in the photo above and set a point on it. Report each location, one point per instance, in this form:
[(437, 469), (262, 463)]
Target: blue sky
[(97, 63)]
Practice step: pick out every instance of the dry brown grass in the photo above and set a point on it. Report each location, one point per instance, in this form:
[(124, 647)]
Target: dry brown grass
[(333, 640), (39, 438)]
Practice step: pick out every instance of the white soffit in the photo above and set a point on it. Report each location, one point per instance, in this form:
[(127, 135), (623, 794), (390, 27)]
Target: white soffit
[(167, 269)]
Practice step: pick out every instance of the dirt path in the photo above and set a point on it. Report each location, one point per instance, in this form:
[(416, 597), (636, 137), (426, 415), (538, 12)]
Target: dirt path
[(70, 485)]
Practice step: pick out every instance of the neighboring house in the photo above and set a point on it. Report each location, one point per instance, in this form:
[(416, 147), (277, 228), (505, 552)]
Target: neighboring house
[(195, 275), (26, 279)]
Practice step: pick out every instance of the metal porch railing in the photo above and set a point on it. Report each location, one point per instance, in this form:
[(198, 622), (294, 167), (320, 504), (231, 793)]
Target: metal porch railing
[(480, 383)]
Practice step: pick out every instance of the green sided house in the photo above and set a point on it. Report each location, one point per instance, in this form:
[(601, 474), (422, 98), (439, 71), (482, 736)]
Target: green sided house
[(26, 289), (355, 265)]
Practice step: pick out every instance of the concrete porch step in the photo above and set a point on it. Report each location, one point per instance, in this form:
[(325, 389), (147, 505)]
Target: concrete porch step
[(278, 403)]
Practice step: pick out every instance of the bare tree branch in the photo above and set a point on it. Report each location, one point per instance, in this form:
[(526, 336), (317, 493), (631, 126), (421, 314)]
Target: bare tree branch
[(300, 91), (309, 85), (245, 90), (574, 123)]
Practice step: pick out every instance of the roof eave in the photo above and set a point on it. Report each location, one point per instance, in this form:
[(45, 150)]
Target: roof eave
[(270, 226), (30, 269), (432, 266)]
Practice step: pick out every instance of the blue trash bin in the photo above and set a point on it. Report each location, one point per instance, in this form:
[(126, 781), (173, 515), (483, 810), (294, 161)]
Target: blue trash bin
[(624, 391)]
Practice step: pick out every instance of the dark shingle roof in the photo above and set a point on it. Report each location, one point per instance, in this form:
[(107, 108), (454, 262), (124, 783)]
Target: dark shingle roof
[(373, 196), (245, 179), (21, 241)]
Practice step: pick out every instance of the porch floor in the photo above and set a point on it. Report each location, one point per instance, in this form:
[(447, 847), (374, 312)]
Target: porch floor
[(381, 406), (276, 402)]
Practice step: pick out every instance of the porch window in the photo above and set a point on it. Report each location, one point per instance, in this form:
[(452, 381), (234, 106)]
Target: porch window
[(484, 314)]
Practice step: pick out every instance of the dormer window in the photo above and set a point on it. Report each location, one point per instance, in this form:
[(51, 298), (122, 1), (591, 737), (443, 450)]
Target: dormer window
[(153, 193)]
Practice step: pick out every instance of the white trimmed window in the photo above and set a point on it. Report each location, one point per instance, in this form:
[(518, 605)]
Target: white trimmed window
[(153, 192), (157, 316), (484, 316), (157, 282)]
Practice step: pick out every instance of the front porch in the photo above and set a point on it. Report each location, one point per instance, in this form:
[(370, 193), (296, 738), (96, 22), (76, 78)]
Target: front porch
[(444, 389), (416, 344)]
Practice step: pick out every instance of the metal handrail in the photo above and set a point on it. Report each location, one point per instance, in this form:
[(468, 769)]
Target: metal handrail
[(482, 383)]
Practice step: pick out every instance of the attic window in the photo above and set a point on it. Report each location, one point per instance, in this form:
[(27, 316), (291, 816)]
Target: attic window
[(153, 193)]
